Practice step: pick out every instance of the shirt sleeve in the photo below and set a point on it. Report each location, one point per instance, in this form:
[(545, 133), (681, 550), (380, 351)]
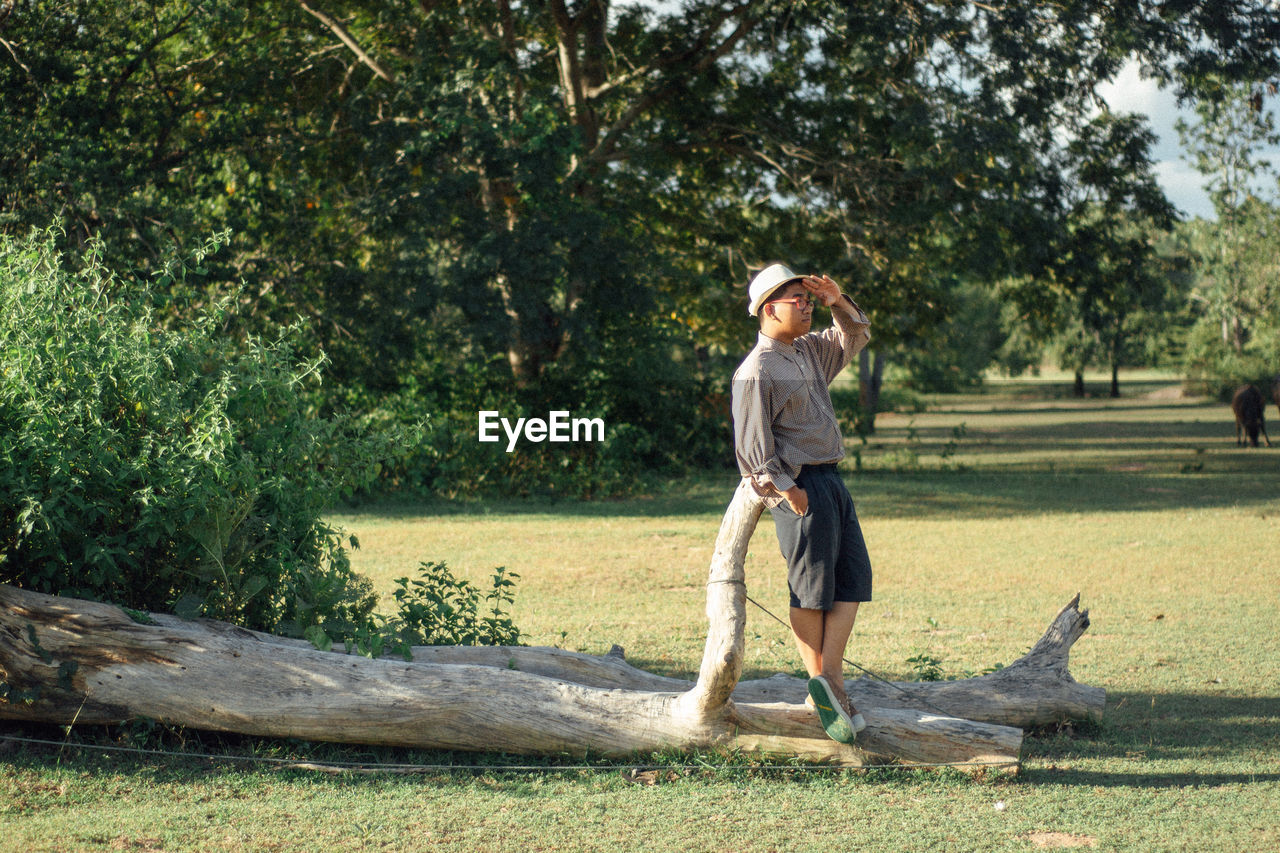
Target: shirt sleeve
[(849, 335), (753, 436)]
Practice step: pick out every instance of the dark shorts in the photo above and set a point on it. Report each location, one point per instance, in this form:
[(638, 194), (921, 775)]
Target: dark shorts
[(826, 556)]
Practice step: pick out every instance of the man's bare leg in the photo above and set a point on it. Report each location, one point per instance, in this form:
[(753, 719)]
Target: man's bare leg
[(821, 636)]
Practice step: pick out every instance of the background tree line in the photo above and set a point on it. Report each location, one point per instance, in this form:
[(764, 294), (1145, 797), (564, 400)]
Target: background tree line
[(551, 204), (255, 256)]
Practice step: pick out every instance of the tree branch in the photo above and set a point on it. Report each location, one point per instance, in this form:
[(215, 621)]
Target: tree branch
[(672, 58), (341, 32), (570, 72), (699, 57), (14, 53), (136, 63)]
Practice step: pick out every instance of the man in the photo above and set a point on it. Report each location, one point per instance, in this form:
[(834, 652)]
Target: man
[(787, 442)]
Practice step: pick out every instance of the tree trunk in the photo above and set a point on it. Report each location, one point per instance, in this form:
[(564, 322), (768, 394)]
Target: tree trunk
[(1077, 388), (89, 663), (66, 661), (1036, 690), (1238, 335), (870, 377)]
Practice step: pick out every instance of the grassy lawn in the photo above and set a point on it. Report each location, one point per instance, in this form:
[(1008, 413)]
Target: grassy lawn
[(984, 514)]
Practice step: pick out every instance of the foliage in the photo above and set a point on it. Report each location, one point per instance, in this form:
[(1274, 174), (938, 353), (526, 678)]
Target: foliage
[(438, 609), (539, 183), (1235, 298), (1103, 297), (167, 466), (928, 667), (660, 409), (434, 609), (925, 667), (1023, 348), (1214, 367), (955, 353)]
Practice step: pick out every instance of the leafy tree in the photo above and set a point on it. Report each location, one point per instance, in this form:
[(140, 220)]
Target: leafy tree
[(1233, 297), (1237, 287), (448, 188), (1103, 294), (953, 354)]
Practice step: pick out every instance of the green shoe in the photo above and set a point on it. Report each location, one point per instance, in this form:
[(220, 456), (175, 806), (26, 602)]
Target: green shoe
[(835, 721)]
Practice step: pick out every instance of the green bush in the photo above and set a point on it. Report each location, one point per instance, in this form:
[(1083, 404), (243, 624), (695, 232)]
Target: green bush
[(960, 348), (167, 465), (662, 416), (435, 609), (1213, 367)]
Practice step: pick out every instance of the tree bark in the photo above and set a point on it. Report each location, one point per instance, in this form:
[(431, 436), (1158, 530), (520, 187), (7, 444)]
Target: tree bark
[(1036, 690), (66, 661), (91, 664), (870, 378)]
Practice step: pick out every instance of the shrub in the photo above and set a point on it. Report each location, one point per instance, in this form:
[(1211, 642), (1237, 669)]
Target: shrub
[(167, 466), (1213, 367), (435, 609), (662, 416), (961, 347)]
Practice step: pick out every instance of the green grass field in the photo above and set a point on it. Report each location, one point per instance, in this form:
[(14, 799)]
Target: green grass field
[(984, 514)]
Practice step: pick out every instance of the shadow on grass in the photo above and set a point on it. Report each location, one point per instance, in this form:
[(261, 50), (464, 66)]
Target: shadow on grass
[(1010, 493), (1148, 730), (1143, 483), (1026, 458)]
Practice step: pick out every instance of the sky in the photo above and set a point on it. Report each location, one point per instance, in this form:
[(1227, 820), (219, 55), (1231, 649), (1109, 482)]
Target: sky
[(1184, 186)]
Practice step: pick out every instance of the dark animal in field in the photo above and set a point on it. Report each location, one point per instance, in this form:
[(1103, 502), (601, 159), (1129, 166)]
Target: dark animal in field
[(1249, 408)]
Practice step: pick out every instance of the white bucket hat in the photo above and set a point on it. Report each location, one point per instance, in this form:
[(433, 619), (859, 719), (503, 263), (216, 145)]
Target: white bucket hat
[(766, 282)]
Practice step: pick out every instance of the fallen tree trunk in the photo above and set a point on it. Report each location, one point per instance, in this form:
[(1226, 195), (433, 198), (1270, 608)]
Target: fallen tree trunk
[(92, 664), (1036, 690), (66, 661)]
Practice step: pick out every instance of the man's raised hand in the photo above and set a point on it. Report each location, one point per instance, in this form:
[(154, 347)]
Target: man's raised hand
[(821, 286)]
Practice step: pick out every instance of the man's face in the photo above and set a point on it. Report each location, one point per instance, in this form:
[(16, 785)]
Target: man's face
[(793, 311)]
